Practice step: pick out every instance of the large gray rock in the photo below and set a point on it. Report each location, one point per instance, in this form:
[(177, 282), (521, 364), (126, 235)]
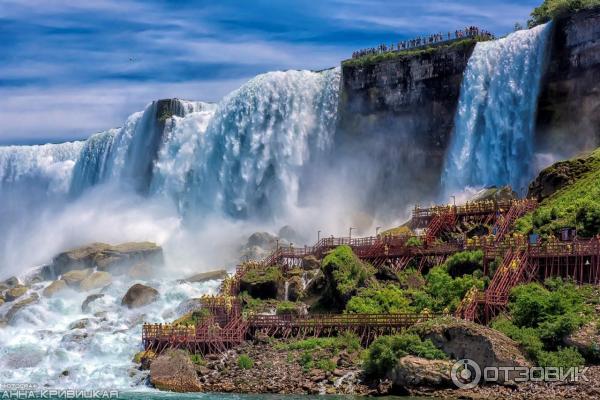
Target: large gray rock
[(419, 372), (74, 278), (115, 259), (15, 293), (139, 295), (460, 339), (175, 372)]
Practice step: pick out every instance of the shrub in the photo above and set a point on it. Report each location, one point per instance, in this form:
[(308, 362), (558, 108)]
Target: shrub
[(345, 273), (245, 362), (445, 292), (563, 357), (306, 360), (588, 219), (388, 299), (326, 365), (286, 307), (384, 352), (555, 8), (197, 359), (414, 241)]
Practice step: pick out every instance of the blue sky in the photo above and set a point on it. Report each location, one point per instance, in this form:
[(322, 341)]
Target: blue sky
[(70, 68)]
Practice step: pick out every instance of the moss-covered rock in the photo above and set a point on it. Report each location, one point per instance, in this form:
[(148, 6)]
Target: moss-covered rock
[(345, 273), (414, 371), (262, 283)]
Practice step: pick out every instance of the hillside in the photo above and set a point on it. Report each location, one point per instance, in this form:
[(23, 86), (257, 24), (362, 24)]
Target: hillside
[(570, 194)]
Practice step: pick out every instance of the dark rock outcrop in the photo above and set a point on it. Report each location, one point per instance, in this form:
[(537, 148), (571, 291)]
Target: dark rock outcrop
[(174, 371), (12, 313), (558, 176), (105, 257), (399, 115), (262, 283), (139, 295), (569, 105)]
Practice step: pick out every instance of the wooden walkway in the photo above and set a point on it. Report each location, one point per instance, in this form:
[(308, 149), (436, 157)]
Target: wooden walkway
[(211, 336)]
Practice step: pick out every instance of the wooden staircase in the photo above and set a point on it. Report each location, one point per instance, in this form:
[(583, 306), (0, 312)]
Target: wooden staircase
[(517, 210), (439, 223)]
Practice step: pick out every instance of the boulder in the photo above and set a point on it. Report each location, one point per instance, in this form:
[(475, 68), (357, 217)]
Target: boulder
[(587, 341), (559, 175), (262, 283), (96, 280), (15, 293), (310, 263), (19, 306), (419, 372), (461, 339), (11, 282), (105, 257), (295, 289), (386, 273), (54, 288), (206, 276), (91, 298), (139, 295), (174, 371), (73, 278)]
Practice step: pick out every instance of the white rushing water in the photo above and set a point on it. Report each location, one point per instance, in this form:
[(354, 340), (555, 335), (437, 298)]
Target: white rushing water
[(47, 346), (492, 143)]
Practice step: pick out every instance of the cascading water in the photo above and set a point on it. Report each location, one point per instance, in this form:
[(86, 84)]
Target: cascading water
[(251, 159), (493, 136), (48, 167), (127, 155)]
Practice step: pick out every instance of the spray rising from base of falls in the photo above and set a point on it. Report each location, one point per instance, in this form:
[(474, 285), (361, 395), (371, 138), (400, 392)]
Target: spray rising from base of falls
[(493, 138)]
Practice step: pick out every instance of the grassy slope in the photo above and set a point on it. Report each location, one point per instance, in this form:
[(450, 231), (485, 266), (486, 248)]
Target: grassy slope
[(559, 210)]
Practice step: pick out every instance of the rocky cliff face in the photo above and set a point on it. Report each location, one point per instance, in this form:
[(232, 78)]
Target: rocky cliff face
[(401, 113), (569, 105)]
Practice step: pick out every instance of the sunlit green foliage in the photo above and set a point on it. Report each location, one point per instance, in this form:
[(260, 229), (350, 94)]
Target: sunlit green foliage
[(385, 351), (387, 299), (345, 274), (550, 9)]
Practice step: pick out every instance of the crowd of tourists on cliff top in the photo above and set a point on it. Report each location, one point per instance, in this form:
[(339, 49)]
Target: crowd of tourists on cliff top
[(469, 32)]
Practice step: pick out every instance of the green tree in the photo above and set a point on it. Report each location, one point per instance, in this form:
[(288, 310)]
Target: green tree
[(550, 9)]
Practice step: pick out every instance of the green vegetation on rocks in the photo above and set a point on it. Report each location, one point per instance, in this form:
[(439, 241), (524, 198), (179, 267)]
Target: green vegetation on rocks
[(245, 362), (385, 351), (387, 299), (576, 205), (345, 274), (542, 317), (555, 8), (405, 54)]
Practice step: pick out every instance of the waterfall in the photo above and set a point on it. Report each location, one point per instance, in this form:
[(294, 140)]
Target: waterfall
[(492, 143), (262, 136), (48, 166), (128, 154)]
